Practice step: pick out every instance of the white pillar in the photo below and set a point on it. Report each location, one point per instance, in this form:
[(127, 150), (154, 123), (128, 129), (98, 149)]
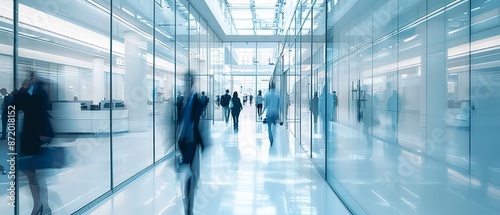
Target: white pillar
[(98, 81), (136, 93)]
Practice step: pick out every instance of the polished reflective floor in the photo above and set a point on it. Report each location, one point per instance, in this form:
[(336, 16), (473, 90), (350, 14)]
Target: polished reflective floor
[(240, 174)]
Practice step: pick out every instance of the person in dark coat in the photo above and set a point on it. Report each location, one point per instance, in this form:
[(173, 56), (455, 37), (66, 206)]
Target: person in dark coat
[(313, 107), (32, 99), (236, 109), (190, 140)]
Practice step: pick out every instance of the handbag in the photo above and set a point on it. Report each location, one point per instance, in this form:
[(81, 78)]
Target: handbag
[(47, 158), (231, 104)]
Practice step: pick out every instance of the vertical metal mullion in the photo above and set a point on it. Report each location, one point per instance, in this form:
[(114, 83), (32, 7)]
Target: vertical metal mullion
[(325, 53), (111, 93), (256, 78), (154, 80), (14, 78), (311, 15), (176, 117), (470, 87)]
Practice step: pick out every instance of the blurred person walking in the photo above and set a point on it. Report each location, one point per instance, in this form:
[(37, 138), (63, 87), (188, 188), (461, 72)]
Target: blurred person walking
[(190, 142), (7, 101), (271, 106), (258, 103), (204, 103), (33, 100), (236, 109), (224, 102), (313, 107)]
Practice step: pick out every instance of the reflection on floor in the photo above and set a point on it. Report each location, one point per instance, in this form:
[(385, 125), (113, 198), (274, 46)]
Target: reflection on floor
[(386, 178), (241, 174)]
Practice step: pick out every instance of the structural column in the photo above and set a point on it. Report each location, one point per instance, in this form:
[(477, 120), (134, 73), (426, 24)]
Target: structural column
[(135, 89)]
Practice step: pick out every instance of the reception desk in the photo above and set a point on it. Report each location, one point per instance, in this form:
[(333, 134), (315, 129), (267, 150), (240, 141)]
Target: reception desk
[(67, 117)]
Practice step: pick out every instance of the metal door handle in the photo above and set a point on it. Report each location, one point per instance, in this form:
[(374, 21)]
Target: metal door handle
[(472, 107)]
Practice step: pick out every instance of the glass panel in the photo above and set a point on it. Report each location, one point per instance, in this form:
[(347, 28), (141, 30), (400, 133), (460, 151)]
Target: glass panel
[(406, 65), (194, 43), (6, 87), (132, 123), (325, 105), (485, 100), (307, 117), (164, 72), (72, 72)]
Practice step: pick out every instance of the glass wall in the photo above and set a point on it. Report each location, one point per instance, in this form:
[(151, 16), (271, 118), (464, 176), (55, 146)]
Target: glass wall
[(112, 83), (406, 98)]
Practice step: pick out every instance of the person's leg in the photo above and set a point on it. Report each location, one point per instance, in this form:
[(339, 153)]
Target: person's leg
[(224, 113), (393, 121), (270, 123), (269, 130), (234, 120), (192, 183), (4, 127), (187, 196), (237, 119), (44, 195), (35, 191)]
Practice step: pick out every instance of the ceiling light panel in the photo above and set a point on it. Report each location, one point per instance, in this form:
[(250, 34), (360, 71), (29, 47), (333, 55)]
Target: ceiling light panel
[(265, 14), (238, 2), (243, 23), (241, 14), (265, 3)]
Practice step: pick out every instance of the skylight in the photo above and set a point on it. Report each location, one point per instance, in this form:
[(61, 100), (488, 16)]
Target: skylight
[(252, 17)]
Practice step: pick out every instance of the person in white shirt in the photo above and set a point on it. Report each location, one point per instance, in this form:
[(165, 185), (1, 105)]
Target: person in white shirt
[(271, 106)]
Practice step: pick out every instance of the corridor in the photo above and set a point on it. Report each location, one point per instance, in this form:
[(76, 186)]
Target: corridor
[(240, 174)]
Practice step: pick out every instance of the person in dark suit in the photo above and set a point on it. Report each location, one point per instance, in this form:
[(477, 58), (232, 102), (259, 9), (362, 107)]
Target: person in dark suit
[(236, 109), (313, 107), (32, 99), (190, 140)]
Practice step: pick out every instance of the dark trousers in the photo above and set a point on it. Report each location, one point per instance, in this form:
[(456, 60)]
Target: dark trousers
[(236, 115), (4, 126)]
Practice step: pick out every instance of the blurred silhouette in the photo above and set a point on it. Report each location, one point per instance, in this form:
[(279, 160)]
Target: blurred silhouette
[(204, 102), (190, 141), (271, 106), (335, 105), (313, 107), (32, 99), (224, 102), (236, 109), (325, 105), (368, 117), (7, 101), (392, 107), (217, 100), (178, 105), (258, 102)]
